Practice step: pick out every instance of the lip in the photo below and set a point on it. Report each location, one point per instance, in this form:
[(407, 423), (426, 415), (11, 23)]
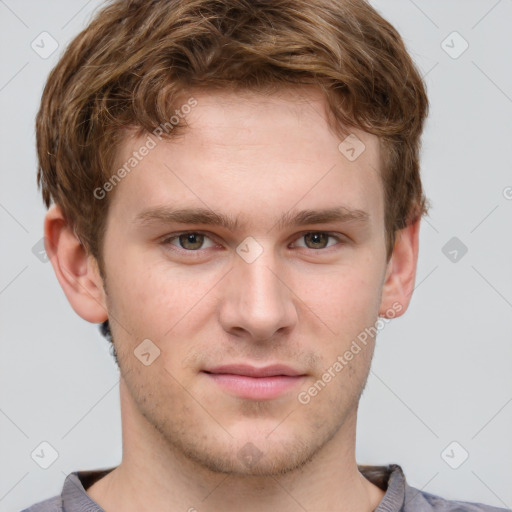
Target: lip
[(249, 382), (252, 371)]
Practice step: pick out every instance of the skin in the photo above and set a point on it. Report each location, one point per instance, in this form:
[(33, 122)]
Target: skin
[(253, 158)]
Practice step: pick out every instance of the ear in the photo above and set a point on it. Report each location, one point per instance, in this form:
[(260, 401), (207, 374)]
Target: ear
[(400, 272), (76, 271)]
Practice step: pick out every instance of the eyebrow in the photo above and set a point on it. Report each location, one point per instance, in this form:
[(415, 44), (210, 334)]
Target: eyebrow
[(164, 215)]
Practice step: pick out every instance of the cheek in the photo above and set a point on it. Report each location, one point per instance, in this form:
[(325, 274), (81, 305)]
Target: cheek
[(345, 299), (155, 298)]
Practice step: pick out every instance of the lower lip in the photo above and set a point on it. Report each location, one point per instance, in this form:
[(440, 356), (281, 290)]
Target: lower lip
[(256, 388)]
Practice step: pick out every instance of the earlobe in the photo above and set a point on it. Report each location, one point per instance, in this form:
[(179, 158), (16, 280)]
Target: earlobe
[(401, 272), (76, 271)]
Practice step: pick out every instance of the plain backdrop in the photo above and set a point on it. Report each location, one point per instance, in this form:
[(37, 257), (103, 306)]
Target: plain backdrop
[(440, 389)]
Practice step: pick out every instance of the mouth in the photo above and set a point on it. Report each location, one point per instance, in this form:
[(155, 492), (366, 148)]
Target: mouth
[(252, 383)]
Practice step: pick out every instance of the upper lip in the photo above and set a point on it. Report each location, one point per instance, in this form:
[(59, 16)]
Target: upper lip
[(252, 371)]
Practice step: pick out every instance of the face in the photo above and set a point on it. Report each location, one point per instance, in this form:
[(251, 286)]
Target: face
[(250, 251)]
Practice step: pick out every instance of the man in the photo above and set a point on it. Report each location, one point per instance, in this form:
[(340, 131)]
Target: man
[(237, 201)]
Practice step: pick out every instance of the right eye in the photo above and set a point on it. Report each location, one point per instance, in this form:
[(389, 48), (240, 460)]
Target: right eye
[(190, 241)]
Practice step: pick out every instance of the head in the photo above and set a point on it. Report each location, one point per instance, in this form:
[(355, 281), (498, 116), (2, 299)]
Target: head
[(284, 138)]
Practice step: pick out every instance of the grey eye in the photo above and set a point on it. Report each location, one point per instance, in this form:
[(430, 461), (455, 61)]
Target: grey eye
[(191, 241), (316, 240)]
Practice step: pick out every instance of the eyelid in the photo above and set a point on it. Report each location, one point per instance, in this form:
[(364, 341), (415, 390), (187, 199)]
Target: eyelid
[(167, 239), (341, 239)]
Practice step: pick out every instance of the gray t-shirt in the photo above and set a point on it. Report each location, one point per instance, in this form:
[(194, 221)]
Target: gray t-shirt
[(399, 497)]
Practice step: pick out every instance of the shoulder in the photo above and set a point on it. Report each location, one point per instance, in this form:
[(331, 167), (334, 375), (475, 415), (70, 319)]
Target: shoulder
[(73, 497), (50, 505), (401, 497), (420, 501)]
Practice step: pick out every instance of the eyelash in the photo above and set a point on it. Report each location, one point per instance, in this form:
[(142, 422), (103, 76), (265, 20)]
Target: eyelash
[(340, 240)]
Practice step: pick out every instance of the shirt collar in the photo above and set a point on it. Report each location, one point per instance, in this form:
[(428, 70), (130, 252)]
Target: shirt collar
[(389, 478)]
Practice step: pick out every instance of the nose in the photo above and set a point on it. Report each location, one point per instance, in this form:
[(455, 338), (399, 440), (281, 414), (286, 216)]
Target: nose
[(256, 301)]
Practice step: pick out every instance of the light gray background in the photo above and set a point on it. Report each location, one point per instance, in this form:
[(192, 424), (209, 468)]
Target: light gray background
[(441, 373)]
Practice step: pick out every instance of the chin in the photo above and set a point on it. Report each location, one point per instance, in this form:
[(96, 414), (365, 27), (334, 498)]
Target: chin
[(249, 452), (250, 460)]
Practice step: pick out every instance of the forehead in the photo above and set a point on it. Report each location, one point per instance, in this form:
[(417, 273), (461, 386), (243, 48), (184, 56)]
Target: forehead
[(255, 153)]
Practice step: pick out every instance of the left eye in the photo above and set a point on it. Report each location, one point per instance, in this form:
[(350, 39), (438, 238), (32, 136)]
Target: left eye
[(316, 240), (191, 241)]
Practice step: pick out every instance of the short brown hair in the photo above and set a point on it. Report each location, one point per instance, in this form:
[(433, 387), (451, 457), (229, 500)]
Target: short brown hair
[(131, 66)]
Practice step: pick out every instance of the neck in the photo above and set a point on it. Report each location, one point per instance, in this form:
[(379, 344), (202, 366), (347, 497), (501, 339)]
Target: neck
[(155, 476)]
